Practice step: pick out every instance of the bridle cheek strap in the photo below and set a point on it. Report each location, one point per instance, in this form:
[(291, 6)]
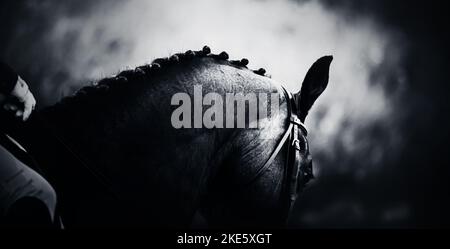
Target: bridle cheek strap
[(299, 162)]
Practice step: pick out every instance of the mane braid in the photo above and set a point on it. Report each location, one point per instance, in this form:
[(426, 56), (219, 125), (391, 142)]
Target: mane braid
[(144, 72)]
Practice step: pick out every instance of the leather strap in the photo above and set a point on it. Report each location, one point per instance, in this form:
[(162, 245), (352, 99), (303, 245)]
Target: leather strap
[(298, 168)]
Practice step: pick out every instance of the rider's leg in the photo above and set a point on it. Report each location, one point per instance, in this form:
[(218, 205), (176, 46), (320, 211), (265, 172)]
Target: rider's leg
[(24, 194)]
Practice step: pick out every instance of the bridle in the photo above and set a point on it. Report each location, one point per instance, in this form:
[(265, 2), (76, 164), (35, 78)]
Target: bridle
[(298, 165)]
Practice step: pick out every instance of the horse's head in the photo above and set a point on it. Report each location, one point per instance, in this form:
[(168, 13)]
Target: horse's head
[(315, 82), (297, 165)]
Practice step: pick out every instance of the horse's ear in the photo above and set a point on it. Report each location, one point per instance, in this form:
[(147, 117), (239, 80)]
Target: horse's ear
[(315, 82)]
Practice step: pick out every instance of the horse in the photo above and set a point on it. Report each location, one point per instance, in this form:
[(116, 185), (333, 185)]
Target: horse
[(114, 159)]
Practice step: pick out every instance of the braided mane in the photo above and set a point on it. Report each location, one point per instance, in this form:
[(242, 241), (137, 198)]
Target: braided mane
[(145, 72)]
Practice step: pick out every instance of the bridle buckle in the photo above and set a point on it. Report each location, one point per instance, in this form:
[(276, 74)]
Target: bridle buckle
[(296, 144)]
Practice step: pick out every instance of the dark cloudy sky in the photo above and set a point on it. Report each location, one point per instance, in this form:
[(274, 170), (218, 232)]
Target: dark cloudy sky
[(379, 133)]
